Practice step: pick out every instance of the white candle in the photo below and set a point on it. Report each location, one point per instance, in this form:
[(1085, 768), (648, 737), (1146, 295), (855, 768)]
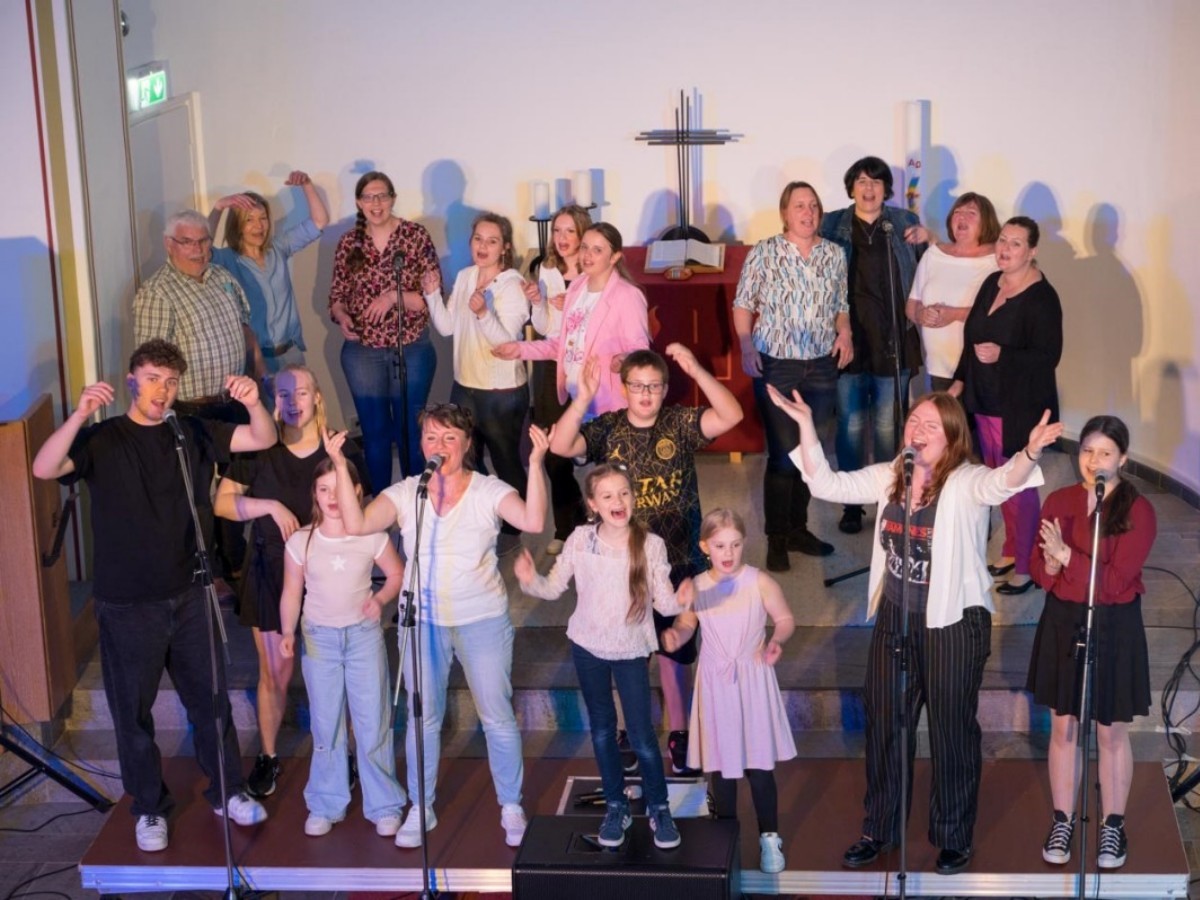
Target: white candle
[(914, 151), (541, 200), (582, 187)]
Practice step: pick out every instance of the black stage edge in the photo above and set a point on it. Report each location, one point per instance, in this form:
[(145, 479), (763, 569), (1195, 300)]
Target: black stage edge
[(820, 809)]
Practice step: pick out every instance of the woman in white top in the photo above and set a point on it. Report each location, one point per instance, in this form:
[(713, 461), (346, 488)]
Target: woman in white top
[(487, 308), (945, 587), (946, 282), (463, 603), (547, 297)]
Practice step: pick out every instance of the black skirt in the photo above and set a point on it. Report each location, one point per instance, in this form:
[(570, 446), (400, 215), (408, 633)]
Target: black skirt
[(1121, 668), (262, 586)]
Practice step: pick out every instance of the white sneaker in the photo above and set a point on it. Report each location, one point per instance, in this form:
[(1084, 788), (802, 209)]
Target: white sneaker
[(318, 826), (387, 826), (409, 834), (770, 853), (244, 809), (512, 820), (151, 833)]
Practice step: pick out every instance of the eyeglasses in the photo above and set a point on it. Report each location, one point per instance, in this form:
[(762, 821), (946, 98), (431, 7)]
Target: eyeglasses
[(639, 387), (375, 198), (188, 243)]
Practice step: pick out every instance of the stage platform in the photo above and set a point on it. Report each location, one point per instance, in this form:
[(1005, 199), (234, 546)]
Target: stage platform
[(820, 815)]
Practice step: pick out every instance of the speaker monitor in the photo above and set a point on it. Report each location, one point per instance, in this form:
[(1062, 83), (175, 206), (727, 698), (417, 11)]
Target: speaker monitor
[(561, 858)]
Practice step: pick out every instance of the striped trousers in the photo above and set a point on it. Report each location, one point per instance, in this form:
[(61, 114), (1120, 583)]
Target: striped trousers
[(945, 672)]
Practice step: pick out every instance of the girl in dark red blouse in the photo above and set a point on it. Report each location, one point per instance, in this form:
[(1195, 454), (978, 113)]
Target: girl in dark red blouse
[(377, 271), (1061, 564)]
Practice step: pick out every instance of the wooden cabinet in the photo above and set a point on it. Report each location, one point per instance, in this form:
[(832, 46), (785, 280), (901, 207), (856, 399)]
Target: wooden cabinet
[(41, 641)]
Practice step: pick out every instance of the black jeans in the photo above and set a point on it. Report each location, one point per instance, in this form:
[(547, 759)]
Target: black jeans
[(499, 422), (785, 495), (138, 641)]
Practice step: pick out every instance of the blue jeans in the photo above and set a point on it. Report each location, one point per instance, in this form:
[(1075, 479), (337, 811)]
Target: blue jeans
[(632, 679), (785, 495), (336, 659), (484, 649), (374, 381), (858, 397), (499, 422), (137, 642)]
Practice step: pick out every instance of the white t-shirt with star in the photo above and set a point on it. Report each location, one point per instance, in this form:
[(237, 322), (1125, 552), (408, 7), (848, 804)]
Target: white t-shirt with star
[(337, 574)]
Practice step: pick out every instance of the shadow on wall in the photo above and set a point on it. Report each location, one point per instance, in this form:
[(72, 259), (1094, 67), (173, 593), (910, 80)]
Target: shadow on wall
[(30, 368), (660, 212), (939, 187)]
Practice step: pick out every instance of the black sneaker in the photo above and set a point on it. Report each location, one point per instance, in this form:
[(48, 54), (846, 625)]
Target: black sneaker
[(353, 769), (677, 743), (1057, 849), (261, 780), (1114, 846), (777, 553), (629, 760)]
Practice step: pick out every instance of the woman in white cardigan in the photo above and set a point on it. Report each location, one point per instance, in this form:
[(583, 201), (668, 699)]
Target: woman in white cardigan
[(949, 607), (487, 308)]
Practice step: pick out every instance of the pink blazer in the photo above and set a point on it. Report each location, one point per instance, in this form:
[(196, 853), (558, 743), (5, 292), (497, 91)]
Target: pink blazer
[(618, 325)]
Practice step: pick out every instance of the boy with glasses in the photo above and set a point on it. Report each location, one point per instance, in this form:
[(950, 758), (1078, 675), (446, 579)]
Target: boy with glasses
[(657, 445)]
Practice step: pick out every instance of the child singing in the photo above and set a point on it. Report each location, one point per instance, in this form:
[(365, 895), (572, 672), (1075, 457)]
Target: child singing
[(344, 658), (739, 723), (620, 572)]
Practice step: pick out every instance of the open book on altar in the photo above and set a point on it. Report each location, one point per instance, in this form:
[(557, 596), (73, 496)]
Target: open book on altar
[(696, 255)]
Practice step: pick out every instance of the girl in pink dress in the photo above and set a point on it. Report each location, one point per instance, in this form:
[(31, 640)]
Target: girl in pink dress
[(737, 712)]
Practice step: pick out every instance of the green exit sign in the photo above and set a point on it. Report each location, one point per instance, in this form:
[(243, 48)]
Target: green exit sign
[(146, 87)]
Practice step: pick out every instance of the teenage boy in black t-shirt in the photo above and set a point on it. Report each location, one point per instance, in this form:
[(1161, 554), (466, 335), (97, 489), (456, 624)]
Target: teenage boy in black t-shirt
[(657, 445), (150, 607)]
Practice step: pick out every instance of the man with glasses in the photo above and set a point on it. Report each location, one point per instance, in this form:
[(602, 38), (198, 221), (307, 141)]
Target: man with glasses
[(657, 445), (201, 309)]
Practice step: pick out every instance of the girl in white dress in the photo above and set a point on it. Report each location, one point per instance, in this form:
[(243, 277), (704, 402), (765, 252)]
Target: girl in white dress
[(739, 724)]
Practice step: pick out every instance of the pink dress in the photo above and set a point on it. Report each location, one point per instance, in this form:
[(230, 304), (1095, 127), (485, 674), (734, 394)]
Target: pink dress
[(738, 718)]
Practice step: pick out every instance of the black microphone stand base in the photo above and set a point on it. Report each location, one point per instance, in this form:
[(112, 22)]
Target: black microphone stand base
[(39, 765)]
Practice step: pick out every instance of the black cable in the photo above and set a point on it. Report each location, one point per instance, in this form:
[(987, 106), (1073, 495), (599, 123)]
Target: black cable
[(34, 878), (82, 767), (62, 815), (1176, 740)]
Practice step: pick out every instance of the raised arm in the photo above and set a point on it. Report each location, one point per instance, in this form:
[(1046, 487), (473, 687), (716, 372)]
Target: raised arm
[(1042, 436), (529, 514), (724, 411), (317, 211), (260, 433), (53, 459), (566, 439), (380, 513)]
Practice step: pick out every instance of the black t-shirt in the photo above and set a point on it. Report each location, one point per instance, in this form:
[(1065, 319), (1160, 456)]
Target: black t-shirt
[(891, 537), (145, 543), (661, 461), (869, 291)]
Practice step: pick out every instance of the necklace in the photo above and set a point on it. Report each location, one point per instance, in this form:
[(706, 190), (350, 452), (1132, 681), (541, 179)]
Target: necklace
[(870, 233)]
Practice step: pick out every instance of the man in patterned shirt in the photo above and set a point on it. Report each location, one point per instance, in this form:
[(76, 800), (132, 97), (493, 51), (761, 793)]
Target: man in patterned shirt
[(201, 309), (657, 445)]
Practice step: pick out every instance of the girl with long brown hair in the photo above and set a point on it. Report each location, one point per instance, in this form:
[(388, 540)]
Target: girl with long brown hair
[(620, 572)]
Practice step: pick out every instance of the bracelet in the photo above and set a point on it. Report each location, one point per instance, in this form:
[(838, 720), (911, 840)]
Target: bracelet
[(1032, 458)]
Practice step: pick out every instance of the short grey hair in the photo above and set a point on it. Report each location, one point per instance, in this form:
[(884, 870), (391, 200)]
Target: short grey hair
[(185, 217)]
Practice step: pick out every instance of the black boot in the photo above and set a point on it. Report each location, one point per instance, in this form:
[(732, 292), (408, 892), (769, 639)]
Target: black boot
[(777, 553), (677, 743)]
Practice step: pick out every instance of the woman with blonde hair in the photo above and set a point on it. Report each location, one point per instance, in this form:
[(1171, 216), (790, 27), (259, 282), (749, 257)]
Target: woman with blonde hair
[(273, 490)]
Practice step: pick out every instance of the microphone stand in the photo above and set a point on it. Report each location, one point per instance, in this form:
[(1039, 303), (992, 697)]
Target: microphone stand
[(409, 632), (204, 569), (900, 650), (1085, 646), (401, 365), (897, 347)]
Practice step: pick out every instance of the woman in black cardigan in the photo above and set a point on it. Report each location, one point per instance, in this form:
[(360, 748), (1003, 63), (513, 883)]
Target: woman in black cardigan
[(1012, 341)]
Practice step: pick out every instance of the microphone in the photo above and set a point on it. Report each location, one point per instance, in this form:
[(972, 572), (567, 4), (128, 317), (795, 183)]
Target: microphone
[(1101, 480), (909, 455), (430, 467), (887, 227), (173, 420)]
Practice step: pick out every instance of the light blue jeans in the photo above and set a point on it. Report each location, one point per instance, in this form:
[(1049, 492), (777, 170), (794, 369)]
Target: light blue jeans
[(484, 649), (336, 659)]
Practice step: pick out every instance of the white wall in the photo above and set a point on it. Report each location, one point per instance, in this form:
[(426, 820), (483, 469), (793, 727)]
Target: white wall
[(1082, 113), (29, 360)]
